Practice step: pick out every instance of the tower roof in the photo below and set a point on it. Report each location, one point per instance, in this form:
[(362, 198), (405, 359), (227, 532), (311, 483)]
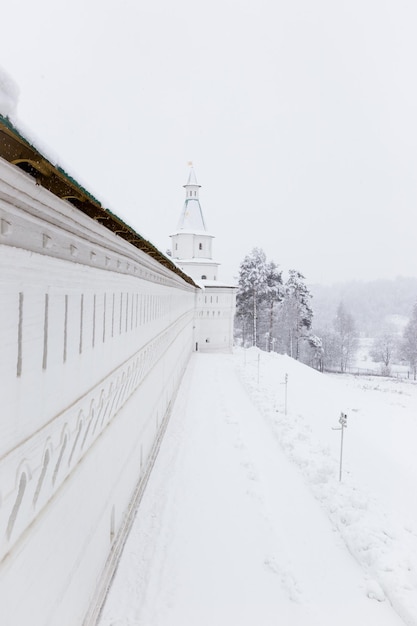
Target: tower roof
[(191, 218), (192, 179)]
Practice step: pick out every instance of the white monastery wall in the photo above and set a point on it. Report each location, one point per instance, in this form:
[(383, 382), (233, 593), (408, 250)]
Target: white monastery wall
[(94, 335), (214, 319)]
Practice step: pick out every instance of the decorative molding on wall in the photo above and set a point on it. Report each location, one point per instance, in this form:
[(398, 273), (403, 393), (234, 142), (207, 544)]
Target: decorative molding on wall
[(68, 438), (99, 598)]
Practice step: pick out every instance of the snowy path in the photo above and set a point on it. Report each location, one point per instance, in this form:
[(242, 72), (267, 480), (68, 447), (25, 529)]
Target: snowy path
[(228, 533)]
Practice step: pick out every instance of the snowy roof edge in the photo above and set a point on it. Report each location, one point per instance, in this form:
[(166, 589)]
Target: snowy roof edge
[(19, 151)]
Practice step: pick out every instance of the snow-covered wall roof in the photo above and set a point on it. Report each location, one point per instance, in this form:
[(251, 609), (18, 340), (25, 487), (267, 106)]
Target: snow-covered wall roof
[(9, 95), (19, 151)]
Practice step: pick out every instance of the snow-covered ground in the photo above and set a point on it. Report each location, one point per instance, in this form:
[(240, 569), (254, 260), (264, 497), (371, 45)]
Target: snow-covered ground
[(244, 520)]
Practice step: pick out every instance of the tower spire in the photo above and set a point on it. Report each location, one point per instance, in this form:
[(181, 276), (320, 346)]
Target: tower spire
[(192, 179), (191, 218), (191, 242)]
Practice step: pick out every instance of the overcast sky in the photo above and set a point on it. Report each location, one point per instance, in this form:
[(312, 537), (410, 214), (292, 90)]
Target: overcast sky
[(300, 117)]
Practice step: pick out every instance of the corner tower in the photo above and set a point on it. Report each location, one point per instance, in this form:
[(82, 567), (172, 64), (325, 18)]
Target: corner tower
[(191, 242), (192, 252)]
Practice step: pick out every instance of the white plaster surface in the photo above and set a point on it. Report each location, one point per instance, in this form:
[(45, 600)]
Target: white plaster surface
[(94, 344)]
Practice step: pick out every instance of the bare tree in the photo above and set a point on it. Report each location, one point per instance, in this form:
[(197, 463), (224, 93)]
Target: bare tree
[(409, 342), (384, 348), (330, 348), (347, 343)]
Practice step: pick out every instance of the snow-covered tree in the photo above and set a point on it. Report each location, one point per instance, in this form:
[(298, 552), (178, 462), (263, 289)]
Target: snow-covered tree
[(272, 315), (273, 296), (296, 313), (311, 351), (347, 340), (409, 342), (252, 290)]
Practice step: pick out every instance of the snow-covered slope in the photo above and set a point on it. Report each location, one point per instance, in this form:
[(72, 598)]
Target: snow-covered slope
[(244, 520)]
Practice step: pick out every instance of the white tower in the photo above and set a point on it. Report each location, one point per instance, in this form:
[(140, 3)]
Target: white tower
[(191, 242), (192, 252)]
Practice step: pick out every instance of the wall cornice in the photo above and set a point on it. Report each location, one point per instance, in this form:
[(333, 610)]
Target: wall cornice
[(22, 155), (34, 219)]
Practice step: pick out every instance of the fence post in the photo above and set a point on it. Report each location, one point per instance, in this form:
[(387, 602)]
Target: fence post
[(343, 425), (286, 392)]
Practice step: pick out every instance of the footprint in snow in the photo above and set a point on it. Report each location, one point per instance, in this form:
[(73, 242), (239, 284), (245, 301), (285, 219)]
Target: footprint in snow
[(374, 591)]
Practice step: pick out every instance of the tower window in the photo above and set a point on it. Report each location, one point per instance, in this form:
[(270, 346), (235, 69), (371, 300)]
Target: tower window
[(200, 246), (204, 277)]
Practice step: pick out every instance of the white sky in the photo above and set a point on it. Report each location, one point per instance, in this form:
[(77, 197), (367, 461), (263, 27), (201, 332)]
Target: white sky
[(300, 118)]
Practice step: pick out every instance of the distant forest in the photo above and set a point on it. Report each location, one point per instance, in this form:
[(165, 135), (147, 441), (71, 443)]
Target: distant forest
[(372, 304)]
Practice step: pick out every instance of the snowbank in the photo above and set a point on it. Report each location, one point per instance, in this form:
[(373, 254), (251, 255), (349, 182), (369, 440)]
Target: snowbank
[(373, 509), (9, 95)]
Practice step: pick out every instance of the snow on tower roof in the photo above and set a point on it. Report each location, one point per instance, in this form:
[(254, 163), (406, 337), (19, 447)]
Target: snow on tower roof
[(191, 218)]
